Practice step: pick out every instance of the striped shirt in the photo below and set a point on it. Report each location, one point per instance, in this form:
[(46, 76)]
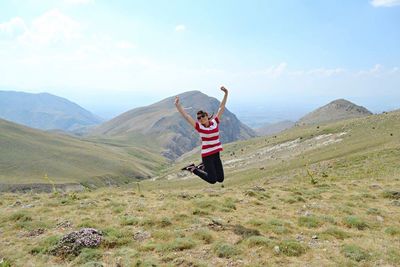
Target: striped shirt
[(210, 143)]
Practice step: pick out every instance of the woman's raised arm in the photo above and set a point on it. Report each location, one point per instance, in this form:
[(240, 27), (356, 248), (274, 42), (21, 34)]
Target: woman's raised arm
[(183, 112), (222, 105)]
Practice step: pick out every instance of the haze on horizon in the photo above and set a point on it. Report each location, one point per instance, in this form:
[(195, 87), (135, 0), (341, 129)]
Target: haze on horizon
[(283, 57)]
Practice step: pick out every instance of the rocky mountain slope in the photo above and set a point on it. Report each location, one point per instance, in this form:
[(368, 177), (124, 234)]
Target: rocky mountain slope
[(164, 125), (334, 111)]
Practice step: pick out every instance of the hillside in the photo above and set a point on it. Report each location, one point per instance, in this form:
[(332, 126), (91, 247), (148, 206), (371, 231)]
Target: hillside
[(29, 154), (274, 128), (45, 111), (334, 111), (163, 124), (325, 195)]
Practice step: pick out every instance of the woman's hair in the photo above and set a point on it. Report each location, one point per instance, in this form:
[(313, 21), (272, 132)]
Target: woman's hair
[(200, 112)]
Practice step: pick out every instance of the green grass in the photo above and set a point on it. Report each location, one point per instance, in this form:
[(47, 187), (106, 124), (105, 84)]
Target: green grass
[(355, 222), (355, 253), (190, 222)]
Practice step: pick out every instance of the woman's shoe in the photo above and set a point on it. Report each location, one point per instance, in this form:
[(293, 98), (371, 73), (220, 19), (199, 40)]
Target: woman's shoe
[(201, 166), (189, 168)]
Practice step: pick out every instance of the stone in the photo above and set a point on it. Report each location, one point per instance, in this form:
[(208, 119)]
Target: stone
[(72, 243), (379, 218), (277, 249), (141, 235), (314, 237), (35, 232)]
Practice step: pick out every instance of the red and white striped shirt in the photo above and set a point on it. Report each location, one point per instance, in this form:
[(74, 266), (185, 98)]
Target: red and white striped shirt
[(210, 143)]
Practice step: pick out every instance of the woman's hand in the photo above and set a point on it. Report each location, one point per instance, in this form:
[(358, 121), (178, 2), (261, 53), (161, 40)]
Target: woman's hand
[(224, 89), (176, 100)]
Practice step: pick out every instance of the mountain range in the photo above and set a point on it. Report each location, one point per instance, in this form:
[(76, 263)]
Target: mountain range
[(45, 111), (165, 125)]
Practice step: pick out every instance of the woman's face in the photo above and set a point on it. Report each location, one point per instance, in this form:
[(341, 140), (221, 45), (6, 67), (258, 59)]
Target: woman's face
[(202, 118)]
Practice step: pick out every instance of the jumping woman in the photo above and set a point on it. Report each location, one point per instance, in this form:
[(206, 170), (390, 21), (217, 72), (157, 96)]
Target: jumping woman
[(210, 170)]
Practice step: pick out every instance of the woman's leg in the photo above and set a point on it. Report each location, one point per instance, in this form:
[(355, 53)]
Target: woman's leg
[(209, 174), (219, 169)]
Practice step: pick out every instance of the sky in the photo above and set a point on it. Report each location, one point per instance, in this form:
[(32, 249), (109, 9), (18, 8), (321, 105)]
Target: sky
[(276, 57)]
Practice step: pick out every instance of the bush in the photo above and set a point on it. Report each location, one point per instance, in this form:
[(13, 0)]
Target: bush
[(204, 235), (178, 244), (292, 248), (355, 253), (88, 255), (355, 222), (339, 234), (224, 250), (392, 230), (309, 221), (129, 220), (254, 241)]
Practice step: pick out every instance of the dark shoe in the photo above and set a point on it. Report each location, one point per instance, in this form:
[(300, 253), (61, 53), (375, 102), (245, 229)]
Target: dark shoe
[(201, 166), (189, 168)]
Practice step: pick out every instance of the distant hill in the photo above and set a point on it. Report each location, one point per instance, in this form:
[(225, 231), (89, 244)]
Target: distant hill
[(336, 110), (45, 111), (165, 126), (28, 154), (274, 128)]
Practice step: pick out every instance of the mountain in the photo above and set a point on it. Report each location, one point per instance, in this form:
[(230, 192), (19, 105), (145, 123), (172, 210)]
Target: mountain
[(29, 154), (336, 110), (165, 126), (45, 111), (274, 128)]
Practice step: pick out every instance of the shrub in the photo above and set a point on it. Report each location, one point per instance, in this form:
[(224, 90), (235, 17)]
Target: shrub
[(292, 248), (309, 221), (392, 230), (339, 234), (355, 222), (204, 235), (224, 250), (355, 252), (253, 241)]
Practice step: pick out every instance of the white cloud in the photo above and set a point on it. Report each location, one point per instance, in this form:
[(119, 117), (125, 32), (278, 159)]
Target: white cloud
[(124, 45), (15, 25), (52, 27), (385, 3), (180, 28), (375, 70), (275, 71), (79, 2)]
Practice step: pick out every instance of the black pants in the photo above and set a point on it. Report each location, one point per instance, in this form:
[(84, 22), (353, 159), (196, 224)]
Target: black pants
[(213, 171)]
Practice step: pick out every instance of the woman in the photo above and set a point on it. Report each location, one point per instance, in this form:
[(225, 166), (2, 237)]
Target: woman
[(210, 170)]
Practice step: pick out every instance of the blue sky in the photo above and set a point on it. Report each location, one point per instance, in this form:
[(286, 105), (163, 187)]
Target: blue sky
[(110, 56)]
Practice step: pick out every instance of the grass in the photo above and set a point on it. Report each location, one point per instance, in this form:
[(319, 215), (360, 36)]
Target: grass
[(355, 222), (190, 223), (355, 253)]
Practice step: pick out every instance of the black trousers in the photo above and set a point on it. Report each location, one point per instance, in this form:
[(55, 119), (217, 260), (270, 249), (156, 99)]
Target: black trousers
[(213, 170)]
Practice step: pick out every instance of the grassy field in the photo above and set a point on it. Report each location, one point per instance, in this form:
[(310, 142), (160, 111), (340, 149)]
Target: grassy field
[(28, 155), (326, 195)]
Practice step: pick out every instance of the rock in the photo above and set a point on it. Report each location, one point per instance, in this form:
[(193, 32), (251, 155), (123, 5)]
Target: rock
[(257, 188), (16, 204), (314, 237), (72, 243), (35, 232), (185, 195), (28, 206), (379, 218), (307, 213), (64, 224), (375, 186), (299, 237), (141, 235), (395, 203), (277, 249)]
